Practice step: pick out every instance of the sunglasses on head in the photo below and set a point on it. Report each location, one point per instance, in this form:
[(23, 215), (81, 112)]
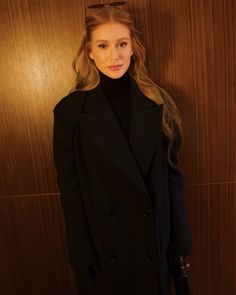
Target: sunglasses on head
[(100, 5)]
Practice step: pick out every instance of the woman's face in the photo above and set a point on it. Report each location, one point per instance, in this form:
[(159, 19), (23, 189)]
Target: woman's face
[(111, 46)]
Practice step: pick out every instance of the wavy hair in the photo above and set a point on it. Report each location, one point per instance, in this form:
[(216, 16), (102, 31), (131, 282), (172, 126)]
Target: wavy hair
[(87, 75)]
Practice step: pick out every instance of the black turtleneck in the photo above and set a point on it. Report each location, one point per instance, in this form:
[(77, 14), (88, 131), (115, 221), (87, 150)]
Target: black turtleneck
[(118, 93)]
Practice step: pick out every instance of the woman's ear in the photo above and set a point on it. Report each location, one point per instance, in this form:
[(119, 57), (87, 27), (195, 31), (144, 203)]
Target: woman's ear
[(89, 51), (90, 55)]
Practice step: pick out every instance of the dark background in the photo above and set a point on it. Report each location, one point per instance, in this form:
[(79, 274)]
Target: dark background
[(191, 53)]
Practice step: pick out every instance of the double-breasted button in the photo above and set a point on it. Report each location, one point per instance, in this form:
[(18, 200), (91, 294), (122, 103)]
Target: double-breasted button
[(111, 213), (112, 256), (149, 256), (146, 213)]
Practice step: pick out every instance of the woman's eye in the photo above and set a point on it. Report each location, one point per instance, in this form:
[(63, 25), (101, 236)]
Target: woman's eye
[(124, 43), (103, 45)]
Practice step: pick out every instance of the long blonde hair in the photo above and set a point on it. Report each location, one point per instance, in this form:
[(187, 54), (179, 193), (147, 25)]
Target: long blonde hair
[(87, 75)]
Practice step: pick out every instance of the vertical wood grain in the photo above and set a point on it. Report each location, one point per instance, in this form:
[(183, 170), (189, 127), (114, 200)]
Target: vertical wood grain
[(39, 39), (212, 214), (190, 47), (33, 255)]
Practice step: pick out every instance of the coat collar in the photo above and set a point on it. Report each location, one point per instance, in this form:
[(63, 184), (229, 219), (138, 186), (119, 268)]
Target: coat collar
[(100, 123)]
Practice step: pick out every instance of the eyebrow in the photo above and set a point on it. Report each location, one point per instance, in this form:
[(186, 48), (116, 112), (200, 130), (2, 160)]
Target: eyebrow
[(116, 40)]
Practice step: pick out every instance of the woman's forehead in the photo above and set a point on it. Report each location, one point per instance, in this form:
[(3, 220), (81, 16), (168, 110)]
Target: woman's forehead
[(111, 31), (110, 34)]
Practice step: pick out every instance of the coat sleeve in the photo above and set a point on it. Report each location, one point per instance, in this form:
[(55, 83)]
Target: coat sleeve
[(80, 248), (180, 241)]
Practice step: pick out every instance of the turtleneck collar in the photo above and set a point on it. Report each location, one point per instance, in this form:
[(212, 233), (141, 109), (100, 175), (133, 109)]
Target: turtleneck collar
[(112, 86)]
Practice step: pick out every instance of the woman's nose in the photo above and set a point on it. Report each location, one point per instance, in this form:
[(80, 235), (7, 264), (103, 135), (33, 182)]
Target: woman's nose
[(114, 53)]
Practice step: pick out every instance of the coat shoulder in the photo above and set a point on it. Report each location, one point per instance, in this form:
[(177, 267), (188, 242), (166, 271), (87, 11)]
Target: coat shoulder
[(71, 104)]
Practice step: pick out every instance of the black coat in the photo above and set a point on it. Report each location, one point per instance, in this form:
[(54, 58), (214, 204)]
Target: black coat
[(122, 202)]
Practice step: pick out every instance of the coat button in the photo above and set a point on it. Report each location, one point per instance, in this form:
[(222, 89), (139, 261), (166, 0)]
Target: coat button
[(149, 256), (146, 213), (112, 256), (111, 213)]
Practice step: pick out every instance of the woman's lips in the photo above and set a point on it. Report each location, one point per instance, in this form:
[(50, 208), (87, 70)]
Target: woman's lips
[(115, 68)]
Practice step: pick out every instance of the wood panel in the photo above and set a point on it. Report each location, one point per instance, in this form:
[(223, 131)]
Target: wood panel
[(193, 58), (212, 214), (39, 39), (33, 254), (190, 48)]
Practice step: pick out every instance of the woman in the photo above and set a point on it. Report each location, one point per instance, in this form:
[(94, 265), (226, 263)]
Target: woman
[(115, 141)]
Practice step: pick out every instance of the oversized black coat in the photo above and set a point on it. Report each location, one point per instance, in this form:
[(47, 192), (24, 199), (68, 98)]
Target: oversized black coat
[(122, 201)]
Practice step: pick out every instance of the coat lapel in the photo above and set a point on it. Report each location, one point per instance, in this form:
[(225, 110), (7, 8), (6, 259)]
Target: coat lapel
[(100, 124)]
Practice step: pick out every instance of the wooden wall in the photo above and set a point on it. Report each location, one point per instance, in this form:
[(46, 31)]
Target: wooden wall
[(191, 53)]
